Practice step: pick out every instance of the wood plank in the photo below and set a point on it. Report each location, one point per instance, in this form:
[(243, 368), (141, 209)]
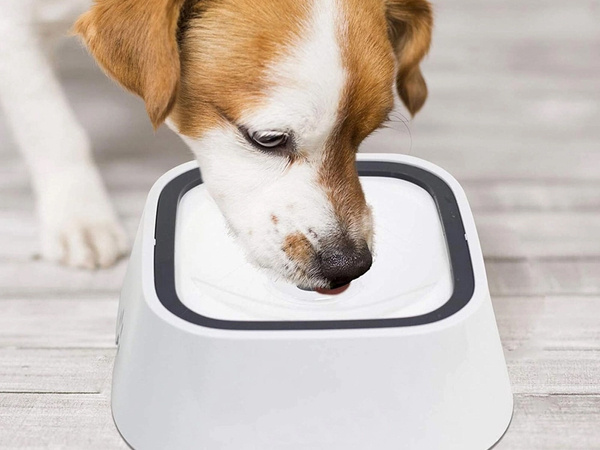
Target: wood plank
[(552, 195), (83, 421), (55, 370), (39, 278), (514, 277), (526, 234), (508, 154), (534, 20), (562, 276), (533, 370), (122, 173), (552, 344), (553, 423), (72, 421), (561, 322), (58, 322), (566, 323), (571, 277), (536, 371)]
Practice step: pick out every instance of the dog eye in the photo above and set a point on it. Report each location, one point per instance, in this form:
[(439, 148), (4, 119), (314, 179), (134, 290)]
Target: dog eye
[(269, 139)]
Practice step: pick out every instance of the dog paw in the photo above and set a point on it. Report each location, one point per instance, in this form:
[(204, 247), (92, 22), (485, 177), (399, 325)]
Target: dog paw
[(87, 245), (79, 225)]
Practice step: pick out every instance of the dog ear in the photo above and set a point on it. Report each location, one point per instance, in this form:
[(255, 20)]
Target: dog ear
[(135, 42), (409, 26)]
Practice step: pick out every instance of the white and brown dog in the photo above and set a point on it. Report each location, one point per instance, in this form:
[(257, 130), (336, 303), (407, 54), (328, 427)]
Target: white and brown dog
[(272, 96)]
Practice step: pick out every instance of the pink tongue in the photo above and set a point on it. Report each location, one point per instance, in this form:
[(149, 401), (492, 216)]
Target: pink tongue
[(335, 291)]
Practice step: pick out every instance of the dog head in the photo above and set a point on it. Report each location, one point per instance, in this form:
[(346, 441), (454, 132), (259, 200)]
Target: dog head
[(274, 98)]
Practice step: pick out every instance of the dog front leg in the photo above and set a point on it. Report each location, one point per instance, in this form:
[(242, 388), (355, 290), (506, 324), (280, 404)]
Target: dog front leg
[(79, 226)]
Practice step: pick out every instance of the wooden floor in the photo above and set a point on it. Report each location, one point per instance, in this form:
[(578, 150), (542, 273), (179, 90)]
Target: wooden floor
[(513, 114)]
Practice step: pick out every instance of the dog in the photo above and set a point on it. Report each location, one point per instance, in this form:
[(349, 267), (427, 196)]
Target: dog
[(273, 97)]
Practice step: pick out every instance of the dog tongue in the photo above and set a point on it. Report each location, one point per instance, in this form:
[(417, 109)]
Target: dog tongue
[(335, 291)]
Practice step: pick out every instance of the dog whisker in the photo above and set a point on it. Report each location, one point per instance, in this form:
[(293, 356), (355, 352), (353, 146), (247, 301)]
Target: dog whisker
[(398, 117)]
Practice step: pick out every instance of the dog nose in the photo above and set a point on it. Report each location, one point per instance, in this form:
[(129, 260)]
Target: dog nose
[(340, 265)]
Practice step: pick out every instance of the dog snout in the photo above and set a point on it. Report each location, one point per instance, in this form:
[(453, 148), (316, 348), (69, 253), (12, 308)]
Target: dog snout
[(343, 263)]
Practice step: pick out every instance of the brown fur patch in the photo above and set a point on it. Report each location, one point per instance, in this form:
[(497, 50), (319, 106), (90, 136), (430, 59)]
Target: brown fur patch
[(376, 37), (226, 51), (135, 43), (274, 219), (410, 24), (367, 99), (209, 69), (298, 249), (369, 62)]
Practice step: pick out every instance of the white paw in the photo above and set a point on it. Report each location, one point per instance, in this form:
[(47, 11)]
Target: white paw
[(79, 225), (85, 245)]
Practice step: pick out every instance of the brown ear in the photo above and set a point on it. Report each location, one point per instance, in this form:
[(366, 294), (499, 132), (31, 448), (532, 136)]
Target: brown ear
[(410, 23), (135, 42)]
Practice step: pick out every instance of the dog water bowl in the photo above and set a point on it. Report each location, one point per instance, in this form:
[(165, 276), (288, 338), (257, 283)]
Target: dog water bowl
[(215, 355)]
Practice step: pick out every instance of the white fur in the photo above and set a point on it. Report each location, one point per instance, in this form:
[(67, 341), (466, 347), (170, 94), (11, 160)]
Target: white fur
[(79, 226), (251, 187)]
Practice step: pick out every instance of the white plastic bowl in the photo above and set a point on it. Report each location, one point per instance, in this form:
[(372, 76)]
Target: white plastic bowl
[(213, 354)]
